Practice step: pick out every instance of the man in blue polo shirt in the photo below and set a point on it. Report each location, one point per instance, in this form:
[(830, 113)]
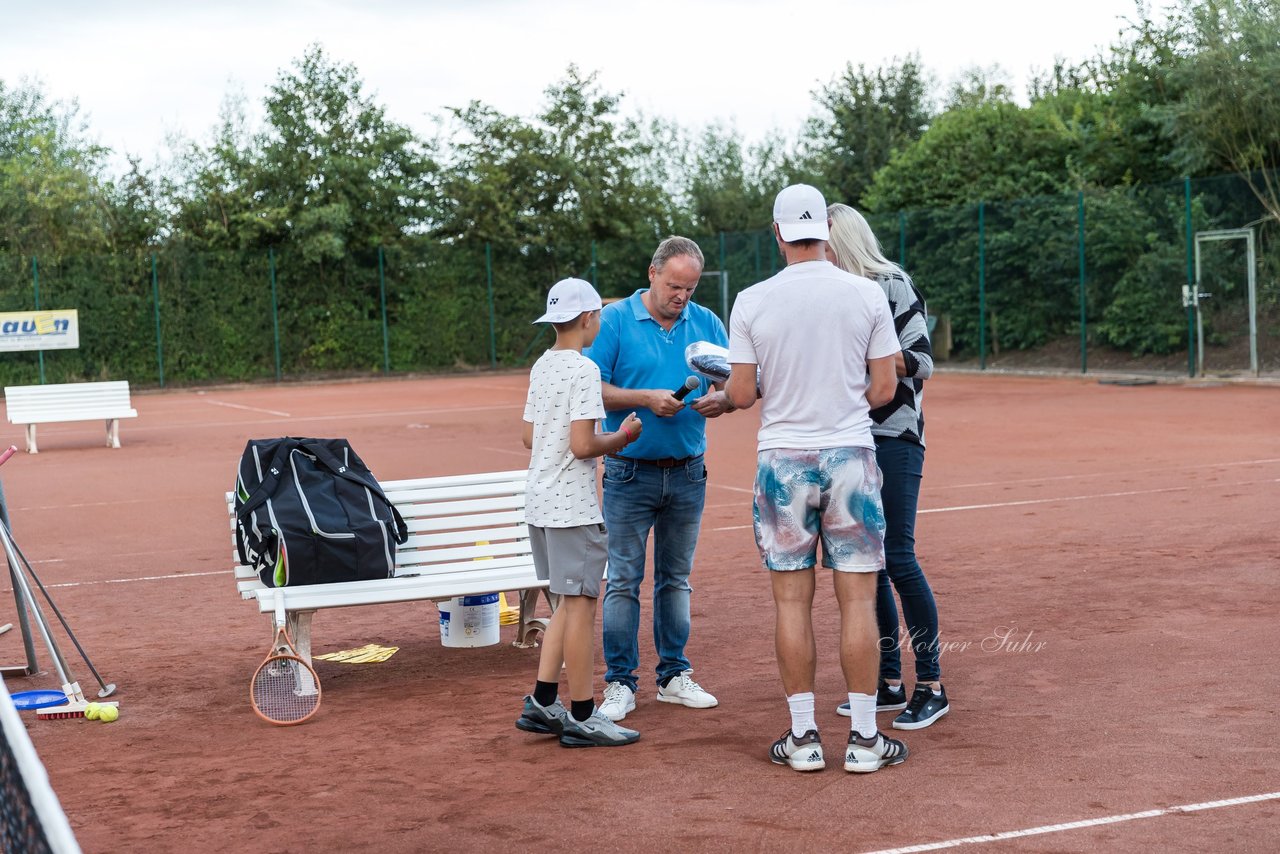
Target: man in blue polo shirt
[(658, 482)]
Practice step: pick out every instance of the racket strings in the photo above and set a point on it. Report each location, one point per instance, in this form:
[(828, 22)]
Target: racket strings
[(285, 690)]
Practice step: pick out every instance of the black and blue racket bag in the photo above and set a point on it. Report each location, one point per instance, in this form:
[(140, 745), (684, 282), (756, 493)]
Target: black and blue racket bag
[(309, 511)]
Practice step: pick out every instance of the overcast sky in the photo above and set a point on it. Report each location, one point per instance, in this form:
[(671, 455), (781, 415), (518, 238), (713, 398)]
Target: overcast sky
[(142, 70)]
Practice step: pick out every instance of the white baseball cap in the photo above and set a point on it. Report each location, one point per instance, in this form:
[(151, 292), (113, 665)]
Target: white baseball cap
[(569, 298), (801, 214)]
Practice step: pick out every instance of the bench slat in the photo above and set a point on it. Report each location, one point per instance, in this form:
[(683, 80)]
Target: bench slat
[(352, 593), (515, 475), (40, 404)]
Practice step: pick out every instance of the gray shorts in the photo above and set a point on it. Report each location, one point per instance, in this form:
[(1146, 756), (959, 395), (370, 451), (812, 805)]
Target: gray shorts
[(572, 559)]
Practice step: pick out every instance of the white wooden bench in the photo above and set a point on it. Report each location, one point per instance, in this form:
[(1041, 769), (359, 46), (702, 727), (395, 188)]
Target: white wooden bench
[(467, 537), (42, 404)]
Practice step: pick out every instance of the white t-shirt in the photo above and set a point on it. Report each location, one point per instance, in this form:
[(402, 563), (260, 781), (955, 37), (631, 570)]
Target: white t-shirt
[(564, 386), (811, 329)]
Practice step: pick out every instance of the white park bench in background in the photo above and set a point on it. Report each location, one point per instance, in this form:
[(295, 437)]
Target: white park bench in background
[(44, 404)]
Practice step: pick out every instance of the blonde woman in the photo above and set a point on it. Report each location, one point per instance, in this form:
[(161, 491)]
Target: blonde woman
[(898, 428)]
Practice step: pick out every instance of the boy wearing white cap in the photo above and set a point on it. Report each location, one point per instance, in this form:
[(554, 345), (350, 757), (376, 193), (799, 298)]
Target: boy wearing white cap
[(566, 529), (823, 341)]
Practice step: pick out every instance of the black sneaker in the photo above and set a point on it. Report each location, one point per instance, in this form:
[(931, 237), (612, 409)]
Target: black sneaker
[(887, 700), (864, 755), (545, 720), (802, 754), (925, 708)]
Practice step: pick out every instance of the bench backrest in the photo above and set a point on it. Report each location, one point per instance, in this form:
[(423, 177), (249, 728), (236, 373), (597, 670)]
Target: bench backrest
[(26, 404), (458, 523)]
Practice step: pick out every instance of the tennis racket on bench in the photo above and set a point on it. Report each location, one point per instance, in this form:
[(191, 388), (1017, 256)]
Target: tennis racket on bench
[(285, 689)]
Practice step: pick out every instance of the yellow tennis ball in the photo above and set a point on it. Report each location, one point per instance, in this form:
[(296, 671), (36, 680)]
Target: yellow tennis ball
[(92, 711), (107, 714)]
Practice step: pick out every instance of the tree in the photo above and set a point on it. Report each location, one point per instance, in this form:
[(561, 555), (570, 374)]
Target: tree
[(976, 86), (1228, 115), (730, 185), (865, 117), (987, 152), (573, 173), (336, 173), (51, 196)]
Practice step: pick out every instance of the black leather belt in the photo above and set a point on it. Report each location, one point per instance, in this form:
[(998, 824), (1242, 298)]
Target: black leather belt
[(664, 463)]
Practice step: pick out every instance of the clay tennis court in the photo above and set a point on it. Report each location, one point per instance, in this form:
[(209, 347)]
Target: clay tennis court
[(1105, 561)]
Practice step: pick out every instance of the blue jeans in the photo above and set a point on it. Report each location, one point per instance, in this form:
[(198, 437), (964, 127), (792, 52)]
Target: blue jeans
[(639, 498), (902, 465)]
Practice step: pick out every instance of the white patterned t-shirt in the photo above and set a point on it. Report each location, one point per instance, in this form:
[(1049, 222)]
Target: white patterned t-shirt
[(564, 386)]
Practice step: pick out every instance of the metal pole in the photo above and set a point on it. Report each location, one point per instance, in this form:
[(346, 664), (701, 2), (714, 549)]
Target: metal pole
[(1084, 349), (1195, 298), (724, 286), (982, 285), (493, 342), (155, 299), (756, 243), (902, 239), (1193, 307), (593, 265), (35, 282), (1253, 304), (386, 336), (275, 310)]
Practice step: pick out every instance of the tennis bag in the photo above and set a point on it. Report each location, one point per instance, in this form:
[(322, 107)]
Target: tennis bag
[(309, 511)]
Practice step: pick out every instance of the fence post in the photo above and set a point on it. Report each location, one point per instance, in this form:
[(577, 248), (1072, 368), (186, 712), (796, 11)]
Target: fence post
[(1191, 281), (757, 254), (1084, 358), (386, 335), (155, 299), (982, 285), (488, 269), (902, 239), (275, 310), (724, 288), (35, 283)]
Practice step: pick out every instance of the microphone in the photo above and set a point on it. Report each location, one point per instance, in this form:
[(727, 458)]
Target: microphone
[(689, 385)]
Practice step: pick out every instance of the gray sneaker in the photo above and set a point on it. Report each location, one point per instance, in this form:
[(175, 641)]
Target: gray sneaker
[(546, 720), (595, 731)]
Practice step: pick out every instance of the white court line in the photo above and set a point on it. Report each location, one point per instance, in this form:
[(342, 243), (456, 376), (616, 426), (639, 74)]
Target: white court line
[(1077, 825), (242, 406), (345, 416), (131, 580), (1111, 474), (1063, 498), (734, 488)]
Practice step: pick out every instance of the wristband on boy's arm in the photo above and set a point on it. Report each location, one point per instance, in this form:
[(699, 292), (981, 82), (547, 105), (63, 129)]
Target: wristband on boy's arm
[(627, 433)]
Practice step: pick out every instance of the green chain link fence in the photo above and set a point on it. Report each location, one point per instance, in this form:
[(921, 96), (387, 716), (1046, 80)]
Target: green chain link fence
[(1084, 282)]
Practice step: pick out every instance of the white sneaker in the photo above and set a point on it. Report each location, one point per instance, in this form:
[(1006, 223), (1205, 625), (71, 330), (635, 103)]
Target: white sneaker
[(618, 700), (683, 690)]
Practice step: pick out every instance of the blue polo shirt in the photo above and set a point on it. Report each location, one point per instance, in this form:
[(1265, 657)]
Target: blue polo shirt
[(633, 351)]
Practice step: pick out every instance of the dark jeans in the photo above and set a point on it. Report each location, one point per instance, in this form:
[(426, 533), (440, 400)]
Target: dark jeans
[(640, 498), (902, 465)]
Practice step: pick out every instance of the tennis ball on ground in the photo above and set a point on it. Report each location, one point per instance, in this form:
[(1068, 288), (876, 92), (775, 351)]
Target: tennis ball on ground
[(107, 714), (92, 711)]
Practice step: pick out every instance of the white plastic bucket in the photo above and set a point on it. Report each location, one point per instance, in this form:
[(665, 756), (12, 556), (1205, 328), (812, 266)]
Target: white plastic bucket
[(470, 621)]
